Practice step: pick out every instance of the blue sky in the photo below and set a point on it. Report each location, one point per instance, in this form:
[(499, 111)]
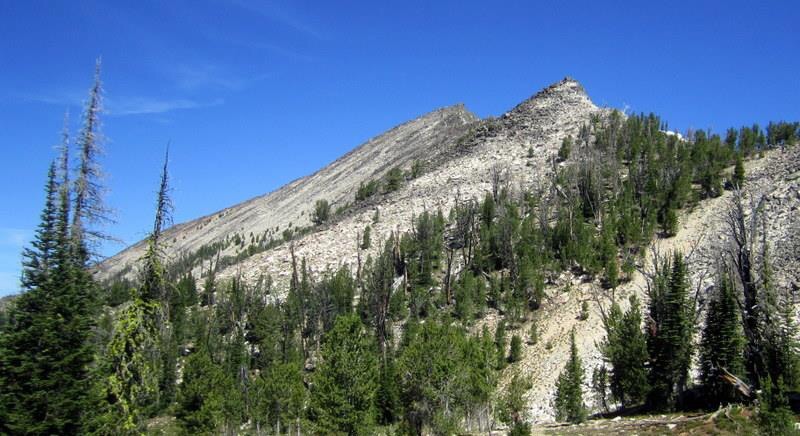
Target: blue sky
[(253, 94)]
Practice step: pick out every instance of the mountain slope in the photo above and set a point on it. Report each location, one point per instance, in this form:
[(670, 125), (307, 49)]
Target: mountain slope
[(540, 123), (422, 138), (460, 155)]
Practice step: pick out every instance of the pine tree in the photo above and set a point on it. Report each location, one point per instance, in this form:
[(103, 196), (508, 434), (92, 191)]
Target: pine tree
[(738, 172), (670, 341), (387, 398), (134, 365), (38, 259), (625, 349), (722, 345), (205, 394), (515, 349), (569, 388), (45, 351), (775, 417), (280, 398), (512, 406), (779, 328), (345, 383)]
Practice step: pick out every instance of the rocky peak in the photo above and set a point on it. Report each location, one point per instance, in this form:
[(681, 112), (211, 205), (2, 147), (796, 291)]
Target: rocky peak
[(560, 95), (556, 106)]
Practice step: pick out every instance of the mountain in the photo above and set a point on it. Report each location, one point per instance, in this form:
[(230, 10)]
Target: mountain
[(424, 138), (457, 152), (449, 156)]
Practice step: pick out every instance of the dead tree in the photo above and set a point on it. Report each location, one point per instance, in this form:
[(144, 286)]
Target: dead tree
[(743, 222)]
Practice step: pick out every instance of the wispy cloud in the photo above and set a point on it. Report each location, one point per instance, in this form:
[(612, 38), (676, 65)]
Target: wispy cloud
[(149, 105), (276, 13), (58, 98), (205, 76), (123, 106)]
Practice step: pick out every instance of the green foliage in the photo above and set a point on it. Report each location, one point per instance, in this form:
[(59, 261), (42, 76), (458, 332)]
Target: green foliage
[(568, 402), (722, 344), (131, 367), (625, 349), (600, 386), (515, 349), (376, 298), (322, 212), (280, 398), (782, 132), (393, 179), (206, 396), (500, 343), (444, 374), (367, 190), (670, 340), (46, 348), (566, 149), (387, 399), (774, 415), (416, 169), (511, 410), (365, 239), (584, 315), (738, 172), (345, 384)]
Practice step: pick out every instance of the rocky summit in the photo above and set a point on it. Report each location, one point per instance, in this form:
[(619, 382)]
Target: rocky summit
[(446, 157)]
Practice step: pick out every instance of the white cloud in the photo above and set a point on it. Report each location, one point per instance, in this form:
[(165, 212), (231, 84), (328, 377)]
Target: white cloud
[(275, 13), (148, 105), (203, 76)]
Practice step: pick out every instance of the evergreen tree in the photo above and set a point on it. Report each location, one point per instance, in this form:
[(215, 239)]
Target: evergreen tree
[(444, 374), (38, 258), (280, 398), (569, 388), (722, 345), (134, 366), (43, 354), (322, 212), (625, 349), (600, 386), (46, 348), (565, 149), (775, 417), (670, 341), (512, 406), (388, 396), (204, 396), (738, 172), (345, 384), (515, 349)]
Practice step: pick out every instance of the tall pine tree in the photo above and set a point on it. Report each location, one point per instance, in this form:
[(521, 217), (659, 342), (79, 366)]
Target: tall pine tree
[(670, 339), (625, 349), (722, 345), (345, 384), (46, 351), (134, 369), (569, 404)]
